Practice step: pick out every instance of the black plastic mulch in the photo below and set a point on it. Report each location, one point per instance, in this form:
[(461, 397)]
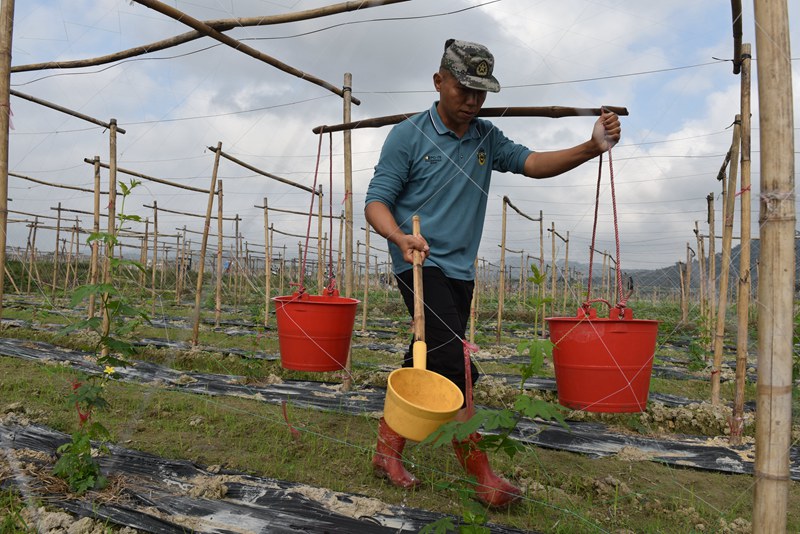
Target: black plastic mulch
[(163, 496), (593, 439)]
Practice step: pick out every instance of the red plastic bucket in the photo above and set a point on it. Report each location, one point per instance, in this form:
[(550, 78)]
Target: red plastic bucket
[(314, 331), (603, 364)]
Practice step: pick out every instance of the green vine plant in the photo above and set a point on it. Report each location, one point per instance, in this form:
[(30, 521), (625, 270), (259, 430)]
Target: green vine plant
[(536, 348), (76, 463), (500, 424)]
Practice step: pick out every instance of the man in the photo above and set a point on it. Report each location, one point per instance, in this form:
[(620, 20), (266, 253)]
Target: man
[(438, 165)]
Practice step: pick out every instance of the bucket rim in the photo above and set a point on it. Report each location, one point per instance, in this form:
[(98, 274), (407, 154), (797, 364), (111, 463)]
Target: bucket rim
[(600, 319), (315, 299), (417, 406)]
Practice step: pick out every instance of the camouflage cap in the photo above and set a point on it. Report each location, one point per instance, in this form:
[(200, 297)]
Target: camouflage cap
[(471, 64)]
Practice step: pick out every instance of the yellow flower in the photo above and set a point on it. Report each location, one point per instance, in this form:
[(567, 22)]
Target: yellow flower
[(109, 370)]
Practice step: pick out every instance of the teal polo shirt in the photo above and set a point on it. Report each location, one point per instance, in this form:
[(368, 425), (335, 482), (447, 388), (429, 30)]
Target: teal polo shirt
[(425, 169)]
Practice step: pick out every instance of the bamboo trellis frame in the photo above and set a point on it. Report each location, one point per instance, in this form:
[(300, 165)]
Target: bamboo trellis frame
[(239, 46)]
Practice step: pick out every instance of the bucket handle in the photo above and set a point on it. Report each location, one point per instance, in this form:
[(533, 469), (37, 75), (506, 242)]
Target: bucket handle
[(618, 312), (419, 350)]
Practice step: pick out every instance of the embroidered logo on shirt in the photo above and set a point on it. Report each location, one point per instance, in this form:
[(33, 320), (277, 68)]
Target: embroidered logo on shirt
[(481, 157), (432, 158)]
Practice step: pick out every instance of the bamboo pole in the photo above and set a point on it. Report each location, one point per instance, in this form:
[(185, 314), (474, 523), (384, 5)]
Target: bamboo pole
[(29, 258), (339, 249), (743, 293), (553, 265), (45, 103), (178, 253), (6, 30), (727, 234), (50, 184), (218, 286), (552, 112), (34, 268), (540, 288), (93, 267), (155, 257), (347, 101), (204, 28), (219, 25), (201, 266), (112, 220), (235, 263), (55, 252), (473, 309), (566, 274), (712, 264), (501, 290), (69, 255), (365, 301), (320, 250), (701, 258), (145, 177), (685, 309), (182, 271), (777, 268), (267, 263), (11, 279), (143, 255)]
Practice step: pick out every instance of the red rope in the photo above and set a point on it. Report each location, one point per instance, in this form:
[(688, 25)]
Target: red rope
[(594, 233), (469, 348), (621, 300), (310, 216)]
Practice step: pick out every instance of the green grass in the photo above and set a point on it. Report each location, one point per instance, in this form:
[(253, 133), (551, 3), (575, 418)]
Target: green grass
[(565, 492)]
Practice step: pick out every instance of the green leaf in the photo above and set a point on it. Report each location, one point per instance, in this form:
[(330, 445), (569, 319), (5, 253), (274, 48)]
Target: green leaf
[(440, 526), (84, 291), (118, 345), (494, 419), (534, 408), (120, 262), (105, 237)]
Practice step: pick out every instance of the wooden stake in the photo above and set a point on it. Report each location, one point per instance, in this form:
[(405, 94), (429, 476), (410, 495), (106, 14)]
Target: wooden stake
[(727, 234), (347, 100), (777, 267), (566, 274), (112, 223), (93, 267), (155, 257), (501, 291), (712, 266), (744, 289), (365, 300), (55, 252), (204, 244), (320, 245), (267, 263), (218, 287)]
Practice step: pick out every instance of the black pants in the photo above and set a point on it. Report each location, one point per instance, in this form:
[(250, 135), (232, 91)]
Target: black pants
[(447, 307)]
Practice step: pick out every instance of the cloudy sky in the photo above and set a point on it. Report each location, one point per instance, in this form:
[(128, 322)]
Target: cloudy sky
[(668, 63)]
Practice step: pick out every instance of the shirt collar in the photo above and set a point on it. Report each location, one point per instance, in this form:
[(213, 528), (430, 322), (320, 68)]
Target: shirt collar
[(441, 129)]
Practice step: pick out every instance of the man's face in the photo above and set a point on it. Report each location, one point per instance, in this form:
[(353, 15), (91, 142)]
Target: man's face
[(458, 104)]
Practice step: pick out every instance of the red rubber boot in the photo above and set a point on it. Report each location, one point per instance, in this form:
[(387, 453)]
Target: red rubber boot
[(490, 488), (388, 462)]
